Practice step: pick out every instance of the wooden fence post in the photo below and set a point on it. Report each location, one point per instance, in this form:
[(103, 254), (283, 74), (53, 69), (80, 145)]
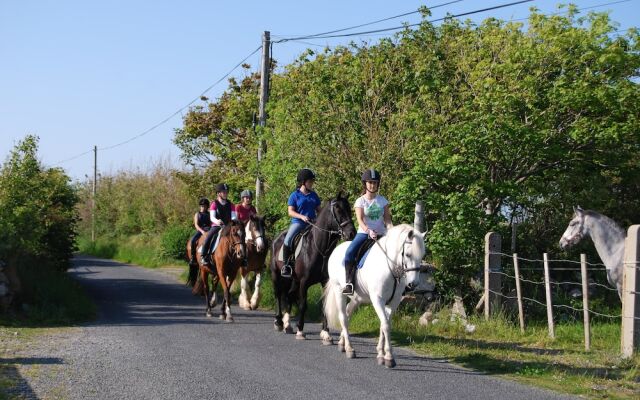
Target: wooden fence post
[(585, 302), (516, 270), (547, 286), (418, 219), (492, 281), (630, 337)]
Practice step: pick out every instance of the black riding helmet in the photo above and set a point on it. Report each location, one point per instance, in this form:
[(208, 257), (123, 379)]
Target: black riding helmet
[(304, 175), (204, 202), (371, 175), (222, 187)]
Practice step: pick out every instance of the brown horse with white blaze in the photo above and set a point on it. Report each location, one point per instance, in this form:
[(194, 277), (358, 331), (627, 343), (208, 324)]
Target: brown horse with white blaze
[(227, 258), (257, 249)]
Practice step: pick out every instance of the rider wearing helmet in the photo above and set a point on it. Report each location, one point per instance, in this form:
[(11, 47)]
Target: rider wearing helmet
[(245, 209), (374, 218), (202, 222), (221, 212), (302, 206)]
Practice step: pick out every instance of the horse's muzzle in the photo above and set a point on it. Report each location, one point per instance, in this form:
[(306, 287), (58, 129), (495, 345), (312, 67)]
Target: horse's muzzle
[(411, 287)]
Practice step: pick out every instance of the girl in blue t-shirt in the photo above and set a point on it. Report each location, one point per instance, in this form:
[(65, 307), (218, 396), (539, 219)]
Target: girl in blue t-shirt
[(303, 206)]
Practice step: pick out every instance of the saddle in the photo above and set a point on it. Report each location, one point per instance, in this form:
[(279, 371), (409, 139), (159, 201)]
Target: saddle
[(297, 244), (363, 252)]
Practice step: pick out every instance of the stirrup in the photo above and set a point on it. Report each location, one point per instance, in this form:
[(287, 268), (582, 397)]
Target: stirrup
[(348, 289), (286, 271)]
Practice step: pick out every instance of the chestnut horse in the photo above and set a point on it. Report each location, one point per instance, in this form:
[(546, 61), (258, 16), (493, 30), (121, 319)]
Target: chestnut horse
[(257, 249), (227, 258)]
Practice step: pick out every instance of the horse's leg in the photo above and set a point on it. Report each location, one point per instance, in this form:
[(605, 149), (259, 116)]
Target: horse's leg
[(277, 323), (255, 299), (243, 300), (286, 318), (214, 289), (205, 282), (343, 317), (385, 329), (302, 309), (226, 297)]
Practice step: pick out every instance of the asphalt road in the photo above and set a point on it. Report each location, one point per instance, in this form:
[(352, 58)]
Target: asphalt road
[(152, 341)]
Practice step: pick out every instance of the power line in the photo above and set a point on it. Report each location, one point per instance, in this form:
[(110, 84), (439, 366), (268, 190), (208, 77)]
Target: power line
[(578, 9), (169, 117), (373, 22), (320, 36)]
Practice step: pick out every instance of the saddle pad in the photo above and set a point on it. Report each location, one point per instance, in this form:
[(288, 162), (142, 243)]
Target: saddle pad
[(297, 243), (297, 252), (363, 259)]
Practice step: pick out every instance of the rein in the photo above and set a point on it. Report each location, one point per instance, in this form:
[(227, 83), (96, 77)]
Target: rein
[(340, 232), (404, 269)]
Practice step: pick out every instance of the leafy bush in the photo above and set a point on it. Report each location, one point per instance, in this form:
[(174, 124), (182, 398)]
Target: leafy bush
[(173, 241)]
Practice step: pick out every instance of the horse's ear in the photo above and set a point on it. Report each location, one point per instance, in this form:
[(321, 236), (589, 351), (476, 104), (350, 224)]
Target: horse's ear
[(423, 235), (577, 210), (339, 195)]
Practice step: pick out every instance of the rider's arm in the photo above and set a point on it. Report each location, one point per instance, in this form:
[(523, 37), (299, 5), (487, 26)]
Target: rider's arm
[(195, 223), (387, 217), (291, 210), (213, 214), (360, 218)]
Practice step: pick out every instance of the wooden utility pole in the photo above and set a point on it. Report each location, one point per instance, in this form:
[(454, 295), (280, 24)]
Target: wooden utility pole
[(630, 337), (492, 278), (93, 197), (262, 115)]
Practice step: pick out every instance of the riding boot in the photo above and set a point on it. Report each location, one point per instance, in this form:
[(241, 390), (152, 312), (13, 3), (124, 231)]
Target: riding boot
[(287, 270), (350, 271)]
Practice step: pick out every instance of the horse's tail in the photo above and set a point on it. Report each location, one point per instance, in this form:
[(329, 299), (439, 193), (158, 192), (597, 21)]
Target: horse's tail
[(331, 305), (198, 286), (193, 274)]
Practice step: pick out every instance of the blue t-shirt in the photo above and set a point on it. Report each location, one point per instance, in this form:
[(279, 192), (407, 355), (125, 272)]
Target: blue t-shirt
[(304, 204)]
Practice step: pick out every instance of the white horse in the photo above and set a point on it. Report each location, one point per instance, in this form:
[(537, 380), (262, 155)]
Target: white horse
[(392, 264), (607, 236)]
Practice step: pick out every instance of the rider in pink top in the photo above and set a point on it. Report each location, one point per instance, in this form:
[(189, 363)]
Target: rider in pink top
[(245, 209)]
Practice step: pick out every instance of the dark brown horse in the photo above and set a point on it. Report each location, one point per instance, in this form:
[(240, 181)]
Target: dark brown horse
[(333, 224), (257, 249), (227, 258)]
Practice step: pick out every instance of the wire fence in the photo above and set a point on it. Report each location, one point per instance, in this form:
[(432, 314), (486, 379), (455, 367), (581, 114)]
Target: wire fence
[(496, 275)]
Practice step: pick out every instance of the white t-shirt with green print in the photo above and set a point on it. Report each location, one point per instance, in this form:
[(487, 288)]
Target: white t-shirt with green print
[(373, 213)]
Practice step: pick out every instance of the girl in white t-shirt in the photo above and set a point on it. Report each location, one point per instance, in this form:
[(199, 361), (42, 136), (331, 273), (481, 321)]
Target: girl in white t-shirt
[(372, 212)]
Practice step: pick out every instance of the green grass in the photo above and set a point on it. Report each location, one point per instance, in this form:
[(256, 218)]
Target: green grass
[(49, 298), (141, 250), (498, 347)]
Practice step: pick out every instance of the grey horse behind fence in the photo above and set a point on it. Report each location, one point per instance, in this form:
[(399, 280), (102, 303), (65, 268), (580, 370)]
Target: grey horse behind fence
[(607, 237)]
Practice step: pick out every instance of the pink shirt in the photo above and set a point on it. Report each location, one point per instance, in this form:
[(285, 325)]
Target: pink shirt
[(244, 213)]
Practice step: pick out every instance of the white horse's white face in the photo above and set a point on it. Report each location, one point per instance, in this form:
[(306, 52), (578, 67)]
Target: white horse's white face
[(575, 231), (254, 235), (411, 257)]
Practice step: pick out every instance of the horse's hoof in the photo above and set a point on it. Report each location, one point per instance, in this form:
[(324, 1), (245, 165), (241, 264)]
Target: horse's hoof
[(351, 354), (327, 342), (228, 319), (390, 363), (288, 330), (380, 360), (301, 336), (208, 314), (277, 327), (341, 347), (222, 317)]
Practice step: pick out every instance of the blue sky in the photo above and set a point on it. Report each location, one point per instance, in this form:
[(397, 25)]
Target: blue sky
[(85, 73)]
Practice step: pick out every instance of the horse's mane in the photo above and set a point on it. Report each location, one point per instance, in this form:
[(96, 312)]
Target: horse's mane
[(396, 233), (613, 225), (226, 230)]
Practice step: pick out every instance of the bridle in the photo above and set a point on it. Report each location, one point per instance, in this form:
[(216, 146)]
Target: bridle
[(403, 270), (579, 236), (339, 224), (234, 245)]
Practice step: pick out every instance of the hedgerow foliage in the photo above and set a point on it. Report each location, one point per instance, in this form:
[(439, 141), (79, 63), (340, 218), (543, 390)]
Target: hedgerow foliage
[(37, 209)]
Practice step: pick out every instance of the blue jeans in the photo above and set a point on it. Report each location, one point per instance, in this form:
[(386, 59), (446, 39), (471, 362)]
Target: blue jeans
[(292, 232), (350, 254)]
